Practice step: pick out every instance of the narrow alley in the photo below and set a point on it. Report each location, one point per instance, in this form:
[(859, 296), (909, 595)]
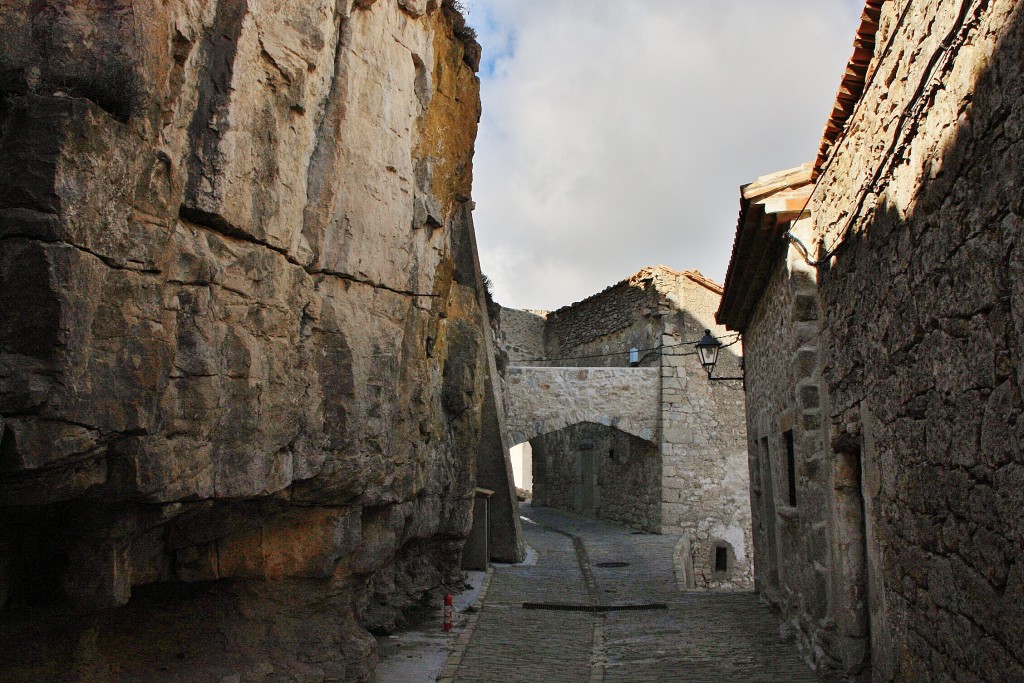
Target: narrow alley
[(666, 635)]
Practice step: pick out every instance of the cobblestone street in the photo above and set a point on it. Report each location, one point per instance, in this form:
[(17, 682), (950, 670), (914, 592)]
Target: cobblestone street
[(719, 637)]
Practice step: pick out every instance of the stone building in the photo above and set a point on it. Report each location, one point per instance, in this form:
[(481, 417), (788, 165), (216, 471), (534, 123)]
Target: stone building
[(882, 312), (647, 441), (245, 375)]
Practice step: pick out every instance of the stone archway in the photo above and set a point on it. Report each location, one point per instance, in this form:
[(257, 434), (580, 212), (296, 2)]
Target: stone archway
[(544, 400)]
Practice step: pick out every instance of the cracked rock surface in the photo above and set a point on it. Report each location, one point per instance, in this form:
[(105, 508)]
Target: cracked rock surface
[(241, 359)]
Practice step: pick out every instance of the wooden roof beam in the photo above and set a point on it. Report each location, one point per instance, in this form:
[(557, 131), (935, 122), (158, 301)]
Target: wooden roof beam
[(772, 183), (788, 202)]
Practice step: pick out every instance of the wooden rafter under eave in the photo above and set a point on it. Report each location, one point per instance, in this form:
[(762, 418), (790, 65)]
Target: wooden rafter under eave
[(787, 202), (776, 182)]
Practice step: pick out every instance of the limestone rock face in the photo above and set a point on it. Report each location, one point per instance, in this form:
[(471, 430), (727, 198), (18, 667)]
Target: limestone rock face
[(237, 304)]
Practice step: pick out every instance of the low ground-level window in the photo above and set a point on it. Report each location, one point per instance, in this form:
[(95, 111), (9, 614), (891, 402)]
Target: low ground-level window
[(721, 559)]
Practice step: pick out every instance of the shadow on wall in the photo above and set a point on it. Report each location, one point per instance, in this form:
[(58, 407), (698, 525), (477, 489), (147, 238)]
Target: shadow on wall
[(705, 474), (923, 343), (730, 354), (789, 473), (598, 471)]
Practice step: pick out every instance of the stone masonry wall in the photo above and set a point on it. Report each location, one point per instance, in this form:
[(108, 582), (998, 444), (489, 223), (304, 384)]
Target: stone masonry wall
[(601, 329), (704, 474), (542, 400), (702, 486), (241, 358), (627, 469), (520, 334), (599, 333), (793, 543), (923, 336)]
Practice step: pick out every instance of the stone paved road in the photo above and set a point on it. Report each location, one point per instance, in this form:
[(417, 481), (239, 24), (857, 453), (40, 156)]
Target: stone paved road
[(714, 637)]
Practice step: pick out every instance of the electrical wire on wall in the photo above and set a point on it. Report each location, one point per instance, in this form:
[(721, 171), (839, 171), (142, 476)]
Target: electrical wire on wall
[(649, 352), (938, 67)]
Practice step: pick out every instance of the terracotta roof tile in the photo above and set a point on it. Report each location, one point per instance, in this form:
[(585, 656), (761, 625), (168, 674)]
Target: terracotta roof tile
[(854, 79), (757, 242)]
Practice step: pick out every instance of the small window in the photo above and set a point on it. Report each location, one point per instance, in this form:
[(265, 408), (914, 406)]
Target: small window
[(790, 466), (721, 559)]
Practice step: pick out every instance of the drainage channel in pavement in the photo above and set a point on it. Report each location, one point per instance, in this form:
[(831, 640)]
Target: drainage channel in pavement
[(595, 608)]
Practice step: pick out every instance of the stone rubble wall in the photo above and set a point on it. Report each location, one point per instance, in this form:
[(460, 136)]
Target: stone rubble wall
[(698, 470), (239, 331), (520, 334), (610, 322), (923, 337)]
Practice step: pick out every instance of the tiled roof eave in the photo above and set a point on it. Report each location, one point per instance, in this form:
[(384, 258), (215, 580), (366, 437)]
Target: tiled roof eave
[(756, 244), (757, 247), (851, 88)]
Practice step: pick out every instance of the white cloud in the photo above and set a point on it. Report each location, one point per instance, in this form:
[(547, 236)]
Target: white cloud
[(616, 135)]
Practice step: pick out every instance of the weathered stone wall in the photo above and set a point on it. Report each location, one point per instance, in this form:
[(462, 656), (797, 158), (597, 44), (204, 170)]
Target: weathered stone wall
[(543, 400), (520, 334), (240, 331), (702, 483), (924, 336), (600, 330), (705, 484), (626, 484), (792, 542)]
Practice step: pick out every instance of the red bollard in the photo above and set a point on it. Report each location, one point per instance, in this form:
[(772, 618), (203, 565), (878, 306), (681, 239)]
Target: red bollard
[(449, 612)]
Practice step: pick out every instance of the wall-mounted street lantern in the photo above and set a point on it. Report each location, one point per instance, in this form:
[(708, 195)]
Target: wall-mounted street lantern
[(707, 352)]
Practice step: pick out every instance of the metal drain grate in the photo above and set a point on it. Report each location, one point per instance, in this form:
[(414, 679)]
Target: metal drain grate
[(595, 608), (611, 565)]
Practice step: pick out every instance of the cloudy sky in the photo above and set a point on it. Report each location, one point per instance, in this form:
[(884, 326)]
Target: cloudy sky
[(616, 134)]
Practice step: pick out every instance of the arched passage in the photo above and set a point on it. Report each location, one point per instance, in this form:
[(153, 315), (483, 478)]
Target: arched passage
[(599, 471)]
